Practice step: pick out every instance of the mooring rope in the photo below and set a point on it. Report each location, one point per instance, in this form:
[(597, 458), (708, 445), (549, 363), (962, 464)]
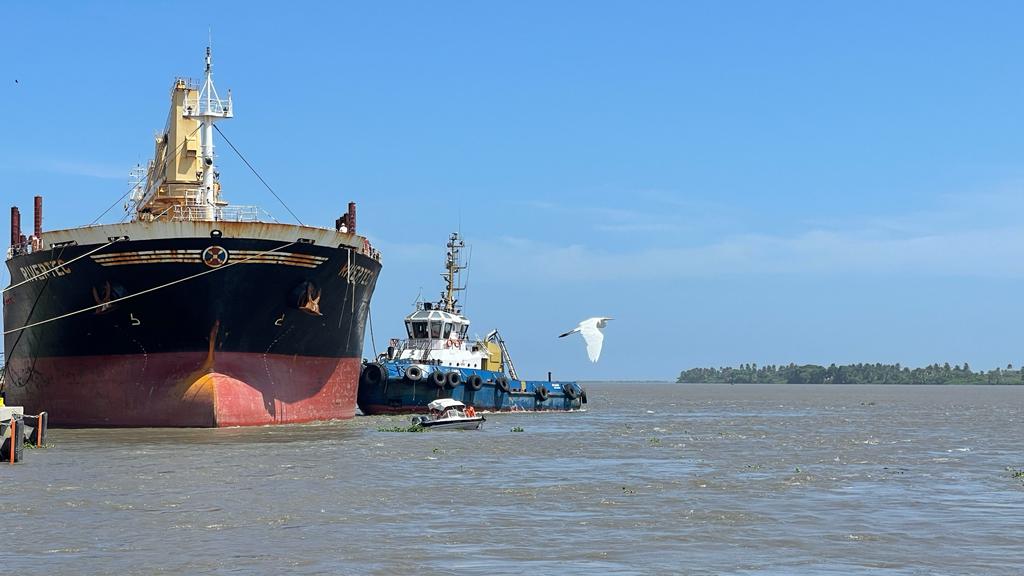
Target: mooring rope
[(7, 361), (148, 290), (159, 167), (217, 128), (55, 268)]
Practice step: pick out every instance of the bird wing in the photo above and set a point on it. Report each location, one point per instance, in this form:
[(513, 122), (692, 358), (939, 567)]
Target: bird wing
[(594, 339), (573, 331)]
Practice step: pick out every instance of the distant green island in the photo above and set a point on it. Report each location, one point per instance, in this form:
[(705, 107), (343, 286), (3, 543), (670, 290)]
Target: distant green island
[(850, 374)]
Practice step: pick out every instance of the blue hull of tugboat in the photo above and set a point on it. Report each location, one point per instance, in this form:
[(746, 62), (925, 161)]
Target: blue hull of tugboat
[(385, 388)]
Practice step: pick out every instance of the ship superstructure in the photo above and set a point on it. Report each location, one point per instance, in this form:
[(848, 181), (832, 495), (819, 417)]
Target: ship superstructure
[(195, 312)]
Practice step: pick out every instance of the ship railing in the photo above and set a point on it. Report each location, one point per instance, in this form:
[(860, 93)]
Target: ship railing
[(22, 248), (420, 344), (198, 107), (191, 213), (203, 106), (428, 344), (190, 83)]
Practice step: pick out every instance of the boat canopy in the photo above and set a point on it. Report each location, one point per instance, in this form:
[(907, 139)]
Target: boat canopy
[(442, 404)]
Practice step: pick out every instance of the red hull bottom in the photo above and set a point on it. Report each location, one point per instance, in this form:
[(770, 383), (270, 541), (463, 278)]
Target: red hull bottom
[(185, 389)]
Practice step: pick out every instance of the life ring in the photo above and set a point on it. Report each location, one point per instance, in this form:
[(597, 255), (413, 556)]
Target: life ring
[(569, 389), (475, 382), (453, 379), (541, 393), (437, 377), (453, 343), (413, 373), (502, 384), (374, 374)]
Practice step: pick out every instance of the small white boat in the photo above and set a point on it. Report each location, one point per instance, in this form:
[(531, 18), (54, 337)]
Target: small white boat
[(448, 414)]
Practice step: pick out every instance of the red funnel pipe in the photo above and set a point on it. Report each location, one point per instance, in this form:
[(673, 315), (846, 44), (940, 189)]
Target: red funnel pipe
[(352, 217), (39, 217), (15, 226)]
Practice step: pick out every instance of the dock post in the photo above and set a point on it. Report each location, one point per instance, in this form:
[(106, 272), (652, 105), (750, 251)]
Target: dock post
[(15, 441), (41, 423)]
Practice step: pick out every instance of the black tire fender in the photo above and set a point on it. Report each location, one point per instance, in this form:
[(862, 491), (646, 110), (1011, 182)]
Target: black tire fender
[(474, 382), (541, 393), (437, 377), (453, 379), (502, 384), (569, 389), (414, 373), (374, 374)]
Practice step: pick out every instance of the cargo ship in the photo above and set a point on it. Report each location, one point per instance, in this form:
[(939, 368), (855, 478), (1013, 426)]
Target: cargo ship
[(438, 359), (193, 311)]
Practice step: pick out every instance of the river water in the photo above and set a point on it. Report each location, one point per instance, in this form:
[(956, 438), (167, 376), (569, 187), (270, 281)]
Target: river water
[(651, 479)]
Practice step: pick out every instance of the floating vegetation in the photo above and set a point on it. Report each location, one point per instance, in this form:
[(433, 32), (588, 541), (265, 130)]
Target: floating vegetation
[(32, 446), (413, 428), (627, 490), (1016, 473), (654, 441), (518, 429)]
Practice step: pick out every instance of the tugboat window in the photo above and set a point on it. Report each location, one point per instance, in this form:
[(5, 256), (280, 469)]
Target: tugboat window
[(435, 329), (419, 330), (408, 329), (447, 330)]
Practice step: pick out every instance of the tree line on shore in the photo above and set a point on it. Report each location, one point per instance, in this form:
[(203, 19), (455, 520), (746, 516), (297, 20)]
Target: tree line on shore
[(851, 374)]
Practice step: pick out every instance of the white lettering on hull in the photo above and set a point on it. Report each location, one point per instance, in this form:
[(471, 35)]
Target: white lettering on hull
[(359, 275), (43, 270)]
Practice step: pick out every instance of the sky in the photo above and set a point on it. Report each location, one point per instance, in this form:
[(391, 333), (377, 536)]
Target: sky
[(733, 182)]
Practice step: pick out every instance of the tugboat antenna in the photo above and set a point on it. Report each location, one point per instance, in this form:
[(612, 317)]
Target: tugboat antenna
[(452, 273)]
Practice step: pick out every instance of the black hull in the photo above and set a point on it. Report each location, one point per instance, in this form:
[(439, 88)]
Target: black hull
[(243, 307), (297, 301)]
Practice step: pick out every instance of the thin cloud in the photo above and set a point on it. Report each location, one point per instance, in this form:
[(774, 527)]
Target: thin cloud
[(967, 236)]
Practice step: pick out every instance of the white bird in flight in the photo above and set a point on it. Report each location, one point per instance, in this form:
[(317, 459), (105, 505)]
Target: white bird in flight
[(590, 329)]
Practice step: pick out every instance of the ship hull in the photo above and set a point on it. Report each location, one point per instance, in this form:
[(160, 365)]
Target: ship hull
[(385, 388), (185, 390), (225, 330)]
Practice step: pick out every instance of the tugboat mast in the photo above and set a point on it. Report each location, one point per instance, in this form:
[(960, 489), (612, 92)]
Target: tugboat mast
[(453, 267)]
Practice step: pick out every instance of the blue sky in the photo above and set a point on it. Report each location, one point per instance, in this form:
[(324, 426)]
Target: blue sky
[(732, 181)]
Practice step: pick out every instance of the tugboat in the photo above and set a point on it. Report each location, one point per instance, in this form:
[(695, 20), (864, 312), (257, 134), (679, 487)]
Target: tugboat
[(194, 312), (438, 360)]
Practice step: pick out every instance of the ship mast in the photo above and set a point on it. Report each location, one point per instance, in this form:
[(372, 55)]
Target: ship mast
[(208, 109), (453, 265)]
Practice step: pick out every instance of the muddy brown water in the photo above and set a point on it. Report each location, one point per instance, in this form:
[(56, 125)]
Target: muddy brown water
[(651, 479)]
